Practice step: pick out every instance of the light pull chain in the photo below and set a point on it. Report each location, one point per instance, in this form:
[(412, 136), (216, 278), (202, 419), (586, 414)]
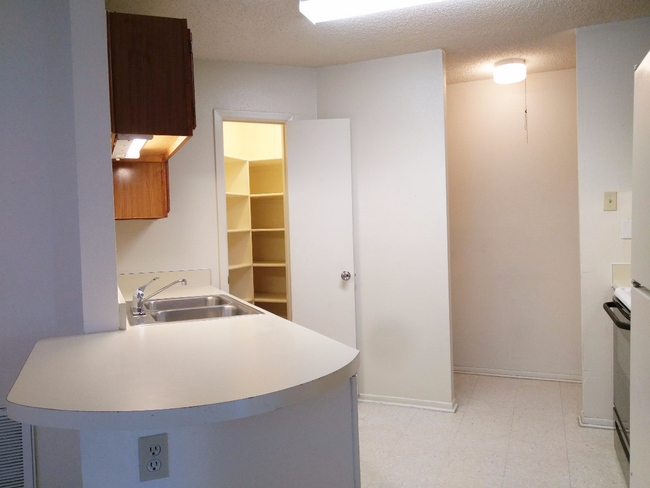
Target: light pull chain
[(526, 109)]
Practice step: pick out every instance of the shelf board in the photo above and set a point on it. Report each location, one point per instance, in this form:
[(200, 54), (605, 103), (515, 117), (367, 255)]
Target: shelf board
[(240, 266), (234, 231), (246, 299), (266, 162), (279, 229), (270, 298), (267, 195), (267, 264), (229, 159), (239, 195)]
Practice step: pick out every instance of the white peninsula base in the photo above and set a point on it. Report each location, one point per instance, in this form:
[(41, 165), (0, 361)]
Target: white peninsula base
[(246, 401), (307, 445)]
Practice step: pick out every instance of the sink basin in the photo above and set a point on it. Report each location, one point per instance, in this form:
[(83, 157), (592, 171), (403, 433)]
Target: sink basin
[(190, 308), (200, 313), (187, 302)]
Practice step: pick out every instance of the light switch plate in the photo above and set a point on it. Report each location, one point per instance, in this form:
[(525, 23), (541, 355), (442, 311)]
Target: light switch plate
[(610, 201)]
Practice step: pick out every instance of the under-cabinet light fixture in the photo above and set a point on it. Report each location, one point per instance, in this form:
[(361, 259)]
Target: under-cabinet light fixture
[(509, 71), (325, 10), (127, 146)]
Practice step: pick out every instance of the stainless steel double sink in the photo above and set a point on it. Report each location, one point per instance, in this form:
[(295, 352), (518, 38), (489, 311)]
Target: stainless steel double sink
[(189, 308)]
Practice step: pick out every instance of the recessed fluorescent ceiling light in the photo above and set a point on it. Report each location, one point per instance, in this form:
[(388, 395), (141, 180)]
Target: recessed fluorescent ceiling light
[(509, 71), (325, 10)]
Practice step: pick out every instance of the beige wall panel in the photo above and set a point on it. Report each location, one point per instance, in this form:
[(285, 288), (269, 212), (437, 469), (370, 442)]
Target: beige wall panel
[(515, 268)]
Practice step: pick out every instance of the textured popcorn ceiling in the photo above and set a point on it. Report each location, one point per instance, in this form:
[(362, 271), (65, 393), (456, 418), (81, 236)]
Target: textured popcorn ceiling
[(473, 33)]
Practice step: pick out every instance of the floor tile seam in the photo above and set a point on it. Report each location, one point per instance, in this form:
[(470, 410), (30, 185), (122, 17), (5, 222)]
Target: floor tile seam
[(400, 436), (453, 440), (471, 393), (387, 456), (566, 447), (512, 422), (469, 402), (462, 415), (462, 418)]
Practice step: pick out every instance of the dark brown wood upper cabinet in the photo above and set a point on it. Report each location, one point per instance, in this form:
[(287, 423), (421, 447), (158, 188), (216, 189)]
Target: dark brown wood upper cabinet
[(151, 75)]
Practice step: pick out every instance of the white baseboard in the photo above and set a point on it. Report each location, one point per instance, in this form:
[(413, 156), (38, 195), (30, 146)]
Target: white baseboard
[(526, 375), (595, 423), (410, 402)]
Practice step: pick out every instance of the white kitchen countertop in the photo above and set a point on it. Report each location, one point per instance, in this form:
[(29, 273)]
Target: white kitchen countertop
[(177, 374)]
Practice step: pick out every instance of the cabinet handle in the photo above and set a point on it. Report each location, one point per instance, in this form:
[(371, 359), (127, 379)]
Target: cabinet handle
[(345, 276)]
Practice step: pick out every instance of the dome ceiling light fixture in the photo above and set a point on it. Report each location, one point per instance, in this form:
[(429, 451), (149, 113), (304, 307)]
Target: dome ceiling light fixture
[(325, 10), (509, 71)]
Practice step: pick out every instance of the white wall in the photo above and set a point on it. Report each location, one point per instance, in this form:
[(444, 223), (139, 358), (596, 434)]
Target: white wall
[(57, 256), (397, 111), (94, 173), (515, 264), (606, 56), (188, 238), (39, 217)]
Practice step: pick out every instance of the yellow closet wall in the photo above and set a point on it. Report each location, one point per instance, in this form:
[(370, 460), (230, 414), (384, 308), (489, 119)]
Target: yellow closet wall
[(249, 141)]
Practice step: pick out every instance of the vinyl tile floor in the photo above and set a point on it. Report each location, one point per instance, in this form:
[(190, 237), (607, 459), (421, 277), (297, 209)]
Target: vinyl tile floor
[(507, 433)]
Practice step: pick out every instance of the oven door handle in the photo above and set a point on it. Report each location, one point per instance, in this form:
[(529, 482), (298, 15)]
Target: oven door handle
[(620, 322)]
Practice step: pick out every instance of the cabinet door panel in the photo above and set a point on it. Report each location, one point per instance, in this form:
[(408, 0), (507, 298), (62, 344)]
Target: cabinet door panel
[(151, 82), (319, 193), (140, 190)]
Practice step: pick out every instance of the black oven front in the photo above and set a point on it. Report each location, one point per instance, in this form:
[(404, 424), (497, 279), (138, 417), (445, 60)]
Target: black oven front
[(620, 315)]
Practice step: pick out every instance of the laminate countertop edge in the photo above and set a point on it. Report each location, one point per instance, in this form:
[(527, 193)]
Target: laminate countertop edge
[(180, 417)]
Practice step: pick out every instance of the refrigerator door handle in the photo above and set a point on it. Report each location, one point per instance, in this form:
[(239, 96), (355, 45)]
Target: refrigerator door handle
[(620, 322)]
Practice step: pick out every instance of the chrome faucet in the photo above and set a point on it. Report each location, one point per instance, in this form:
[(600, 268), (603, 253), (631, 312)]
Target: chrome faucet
[(139, 298)]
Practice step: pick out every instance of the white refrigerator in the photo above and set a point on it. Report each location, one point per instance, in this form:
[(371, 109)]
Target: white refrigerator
[(640, 328)]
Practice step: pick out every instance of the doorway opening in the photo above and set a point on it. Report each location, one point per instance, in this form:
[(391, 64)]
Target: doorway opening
[(254, 163)]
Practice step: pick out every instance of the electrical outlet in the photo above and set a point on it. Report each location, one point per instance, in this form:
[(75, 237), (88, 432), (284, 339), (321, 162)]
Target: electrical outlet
[(153, 454), (154, 450)]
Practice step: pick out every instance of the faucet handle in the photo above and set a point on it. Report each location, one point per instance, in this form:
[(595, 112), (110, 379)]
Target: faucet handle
[(139, 292), (138, 298), (141, 289)]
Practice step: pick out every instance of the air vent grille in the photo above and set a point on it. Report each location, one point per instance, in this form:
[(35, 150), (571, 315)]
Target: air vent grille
[(12, 463)]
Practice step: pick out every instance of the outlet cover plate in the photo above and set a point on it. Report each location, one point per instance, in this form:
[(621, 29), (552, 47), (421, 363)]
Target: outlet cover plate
[(153, 455)]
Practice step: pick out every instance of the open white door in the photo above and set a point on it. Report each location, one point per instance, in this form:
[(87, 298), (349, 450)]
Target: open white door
[(319, 192)]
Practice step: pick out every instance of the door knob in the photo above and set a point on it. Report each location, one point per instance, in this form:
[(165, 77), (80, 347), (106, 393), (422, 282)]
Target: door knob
[(345, 276)]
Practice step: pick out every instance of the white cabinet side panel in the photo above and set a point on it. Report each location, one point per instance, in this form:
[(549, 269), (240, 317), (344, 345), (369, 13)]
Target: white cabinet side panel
[(641, 176), (640, 390)]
